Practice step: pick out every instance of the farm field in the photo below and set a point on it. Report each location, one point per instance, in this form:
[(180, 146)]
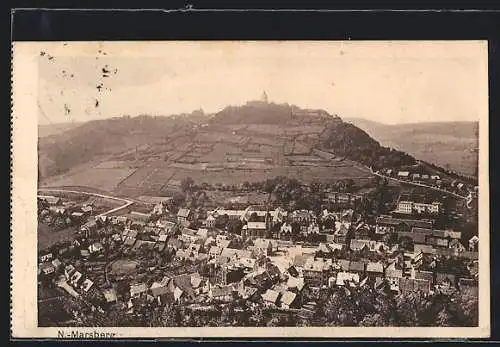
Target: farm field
[(164, 177), (47, 237), (228, 154), (106, 179), (250, 198)]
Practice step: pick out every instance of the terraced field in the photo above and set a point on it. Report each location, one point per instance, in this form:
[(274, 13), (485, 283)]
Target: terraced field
[(216, 154)]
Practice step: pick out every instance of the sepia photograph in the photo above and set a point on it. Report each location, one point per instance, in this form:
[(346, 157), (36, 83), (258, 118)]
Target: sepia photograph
[(246, 188)]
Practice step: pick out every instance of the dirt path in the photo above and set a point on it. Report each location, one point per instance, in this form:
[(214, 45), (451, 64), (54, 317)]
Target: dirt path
[(125, 201)]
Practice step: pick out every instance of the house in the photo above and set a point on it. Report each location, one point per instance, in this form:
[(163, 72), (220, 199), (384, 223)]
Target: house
[(374, 269), (265, 246), (417, 204), (347, 279), (270, 297), (403, 174), (163, 287), (166, 225), (357, 267), (423, 275), (289, 300), (313, 228), (184, 216), (202, 233), (233, 255), (299, 261), (174, 243), (76, 278), (178, 294), (110, 295), (445, 278), (86, 285), (357, 245), (278, 215), (254, 229), (224, 293), (188, 235), (129, 241), (162, 238), (295, 283), (68, 271), (324, 250), (210, 221), (214, 251), (77, 215), (341, 233), (56, 263), (285, 229), (313, 271), (51, 200), (292, 271), (96, 247), (46, 257), (194, 250), (302, 216), (425, 249), (393, 275), (473, 243), (196, 281), (143, 245), (457, 245), (138, 290), (415, 176), (90, 226), (183, 282), (46, 269), (408, 285), (387, 224)]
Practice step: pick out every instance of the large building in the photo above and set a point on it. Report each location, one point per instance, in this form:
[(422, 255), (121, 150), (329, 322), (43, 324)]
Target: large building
[(417, 204), (388, 224)]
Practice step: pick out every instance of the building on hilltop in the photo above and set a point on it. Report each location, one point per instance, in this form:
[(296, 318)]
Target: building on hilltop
[(264, 97)]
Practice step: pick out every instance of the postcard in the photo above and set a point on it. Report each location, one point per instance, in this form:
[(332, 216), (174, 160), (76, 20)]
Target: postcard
[(297, 189)]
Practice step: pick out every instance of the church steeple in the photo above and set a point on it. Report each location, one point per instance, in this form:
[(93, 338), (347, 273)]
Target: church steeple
[(264, 98)]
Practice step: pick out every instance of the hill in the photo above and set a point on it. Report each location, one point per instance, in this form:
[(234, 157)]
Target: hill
[(152, 155), (452, 145), (45, 130)]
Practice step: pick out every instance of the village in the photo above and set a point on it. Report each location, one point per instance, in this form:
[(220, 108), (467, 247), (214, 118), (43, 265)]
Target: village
[(264, 260)]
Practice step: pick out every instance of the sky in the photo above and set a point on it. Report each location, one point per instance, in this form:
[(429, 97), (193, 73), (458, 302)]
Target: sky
[(389, 82)]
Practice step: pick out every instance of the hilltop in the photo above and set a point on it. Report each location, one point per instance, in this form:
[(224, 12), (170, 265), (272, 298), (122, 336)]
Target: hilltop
[(451, 145), (252, 142)]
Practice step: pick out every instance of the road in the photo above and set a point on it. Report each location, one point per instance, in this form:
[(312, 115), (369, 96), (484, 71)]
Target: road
[(420, 185), (126, 202)]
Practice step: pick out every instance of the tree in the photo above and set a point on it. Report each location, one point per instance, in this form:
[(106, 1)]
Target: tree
[(253, 217), (221, 221), (444, 318), (373, 320), (187, 184), (234, 226)]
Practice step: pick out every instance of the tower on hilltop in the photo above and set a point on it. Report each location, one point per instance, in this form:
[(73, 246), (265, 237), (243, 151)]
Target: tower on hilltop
[(264, 98)]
